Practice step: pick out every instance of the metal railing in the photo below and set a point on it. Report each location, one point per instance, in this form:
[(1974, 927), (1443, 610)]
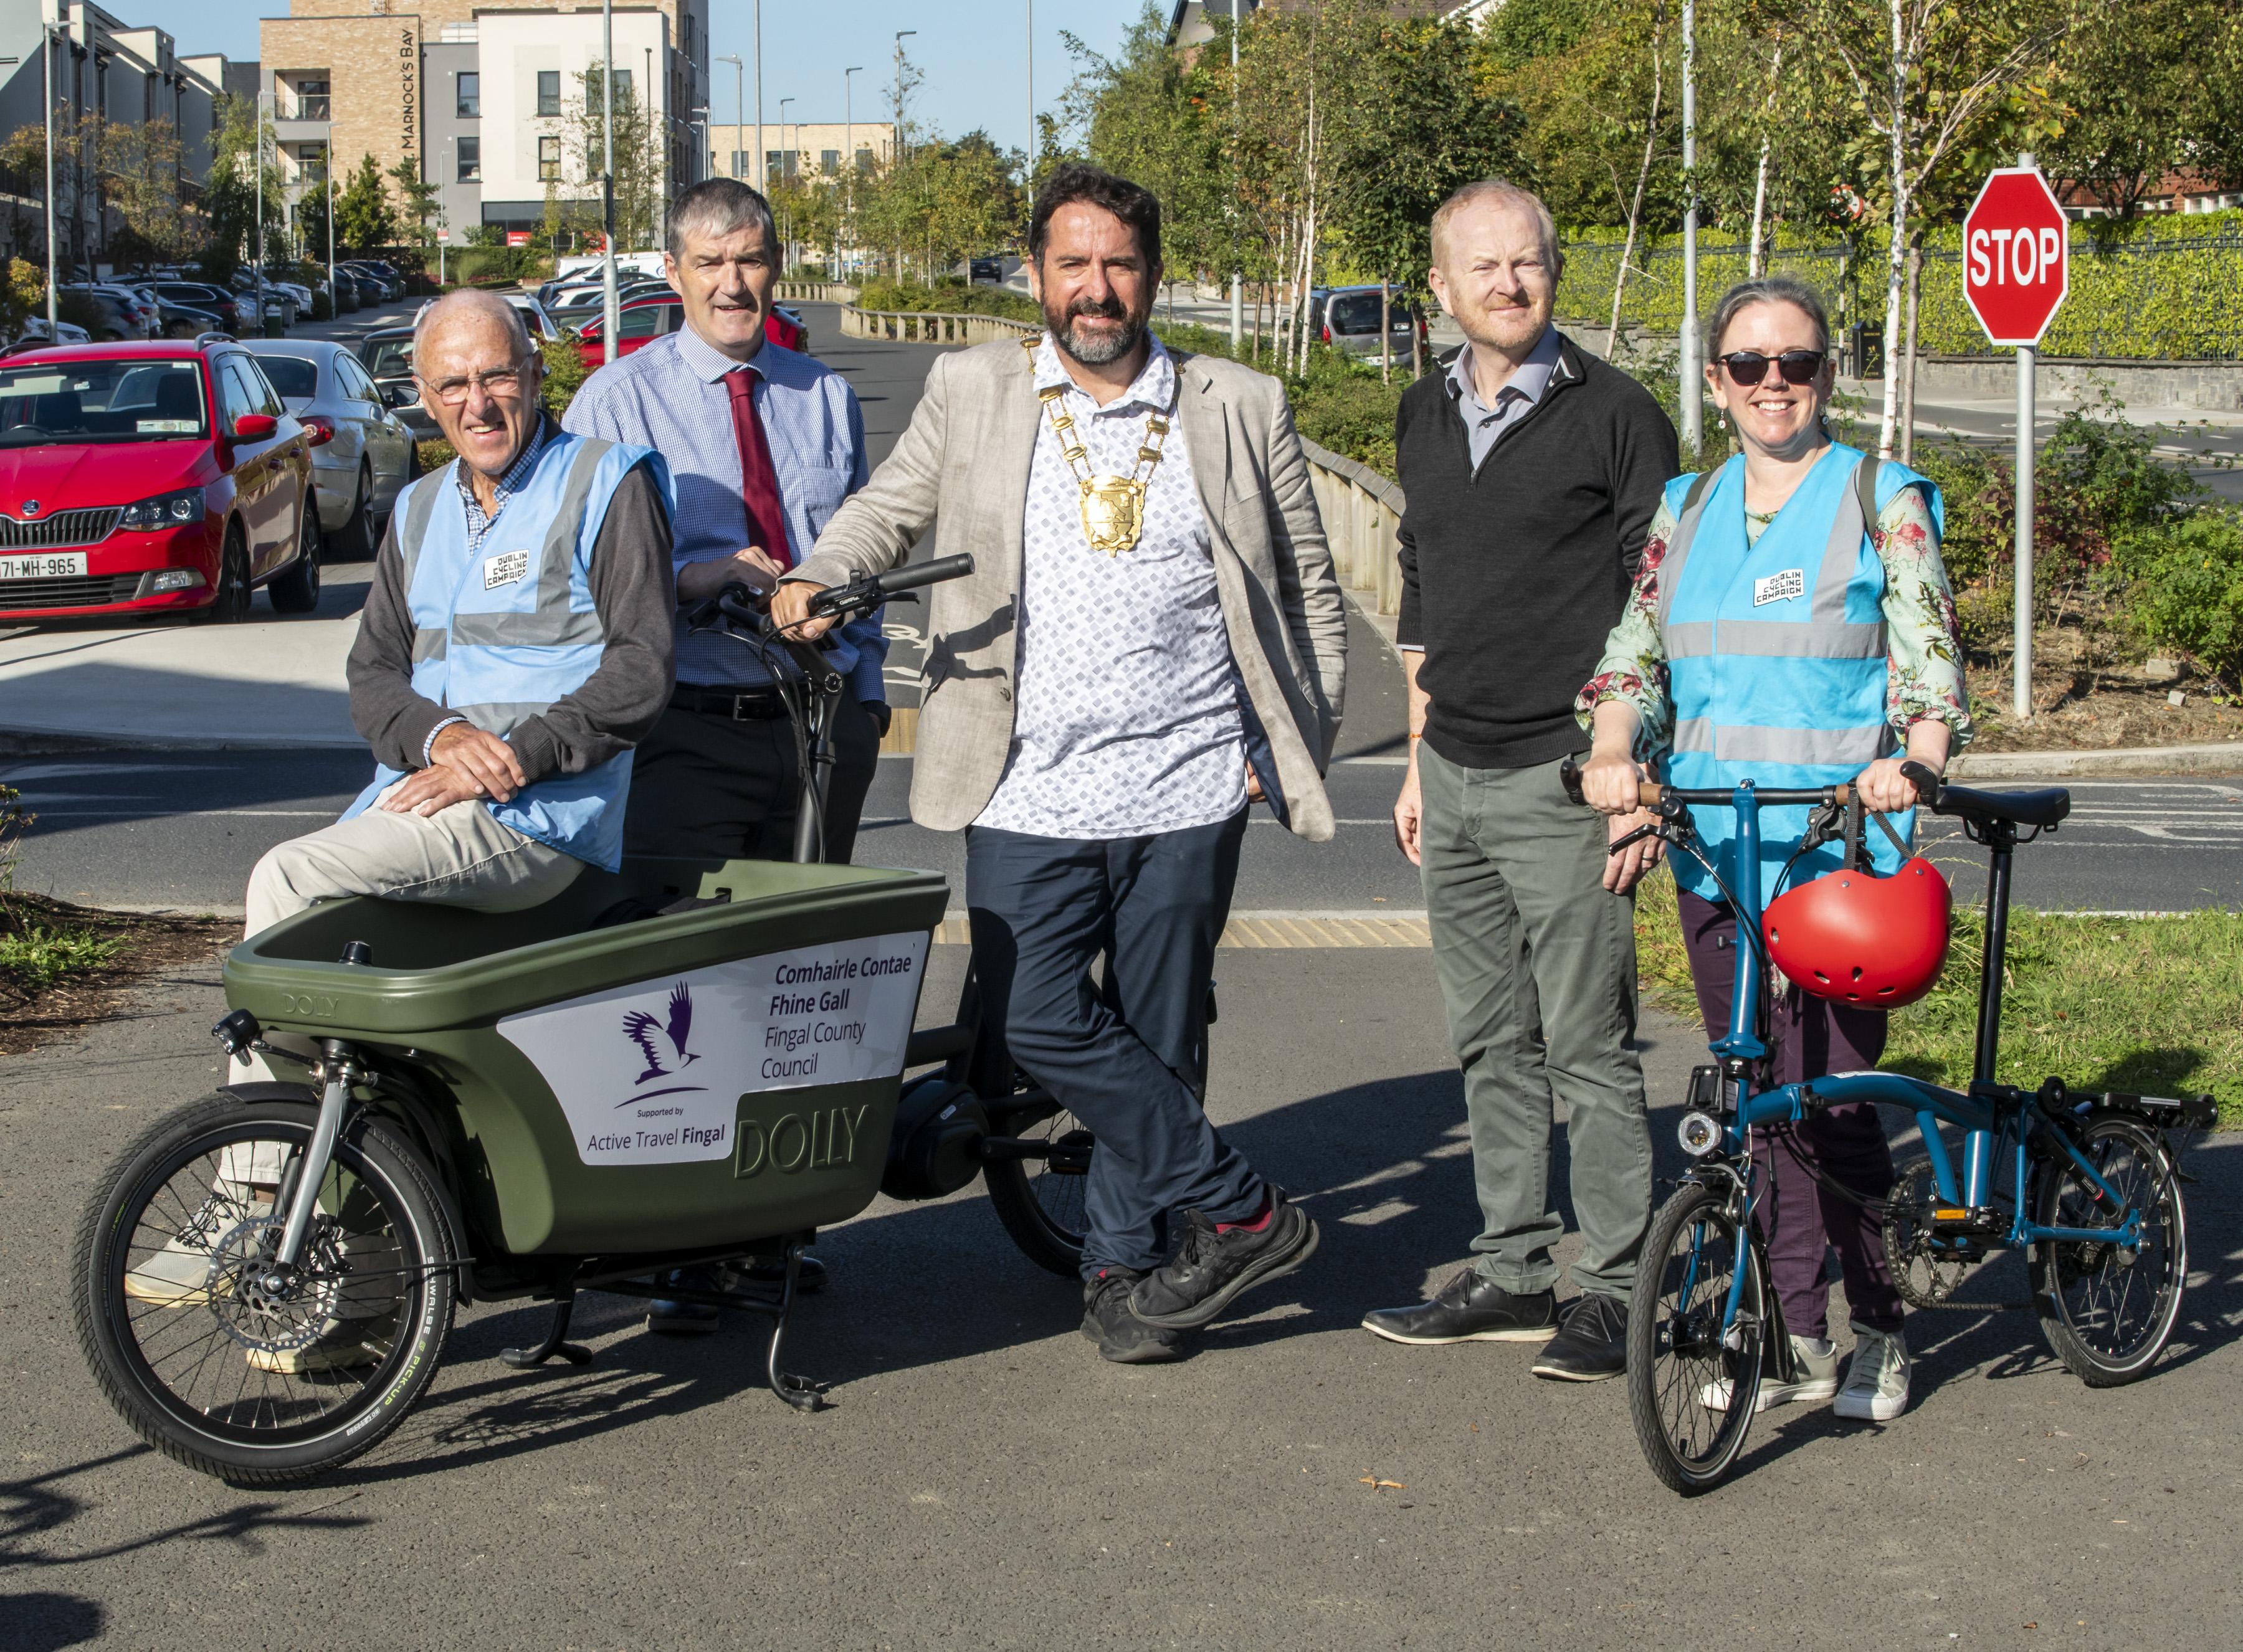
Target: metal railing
[(931, 327), (1362, 512)]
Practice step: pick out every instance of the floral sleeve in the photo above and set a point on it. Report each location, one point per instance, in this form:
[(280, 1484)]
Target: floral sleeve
[(1923, 644), (1634, 669)]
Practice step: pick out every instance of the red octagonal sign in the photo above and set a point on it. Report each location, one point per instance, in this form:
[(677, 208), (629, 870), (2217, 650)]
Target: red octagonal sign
[(2016, 261)]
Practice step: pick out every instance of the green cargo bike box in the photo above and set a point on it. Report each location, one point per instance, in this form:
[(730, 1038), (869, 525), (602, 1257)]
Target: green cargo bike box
[(715, 1075)]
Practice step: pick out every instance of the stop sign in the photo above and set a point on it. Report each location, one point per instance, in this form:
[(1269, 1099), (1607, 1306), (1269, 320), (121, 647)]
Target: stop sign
[(2017, 262)]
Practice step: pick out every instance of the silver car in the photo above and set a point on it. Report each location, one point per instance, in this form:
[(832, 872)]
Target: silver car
[(357, 474)]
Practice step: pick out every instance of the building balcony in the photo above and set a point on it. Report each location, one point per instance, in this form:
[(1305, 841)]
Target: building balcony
[(301, 131)]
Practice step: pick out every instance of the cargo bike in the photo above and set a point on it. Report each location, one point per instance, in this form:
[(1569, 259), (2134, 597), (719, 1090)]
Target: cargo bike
[(680, 1063)]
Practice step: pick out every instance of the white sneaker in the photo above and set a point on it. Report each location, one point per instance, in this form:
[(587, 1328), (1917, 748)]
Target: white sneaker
[(178, 1276), (1876, 1382), (1817, 1359)]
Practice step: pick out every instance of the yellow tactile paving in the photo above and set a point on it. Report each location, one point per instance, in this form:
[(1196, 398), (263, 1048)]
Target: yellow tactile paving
[(1279, 931)]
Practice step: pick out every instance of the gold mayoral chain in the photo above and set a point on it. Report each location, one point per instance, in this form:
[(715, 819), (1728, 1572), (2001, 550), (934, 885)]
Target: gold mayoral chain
[(1112, 506)]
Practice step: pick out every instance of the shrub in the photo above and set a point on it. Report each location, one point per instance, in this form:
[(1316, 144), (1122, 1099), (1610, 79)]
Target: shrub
[(2187, 588), (564, 374)]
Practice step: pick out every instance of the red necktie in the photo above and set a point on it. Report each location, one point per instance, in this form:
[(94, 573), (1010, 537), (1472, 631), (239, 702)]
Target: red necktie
[(758, 479)]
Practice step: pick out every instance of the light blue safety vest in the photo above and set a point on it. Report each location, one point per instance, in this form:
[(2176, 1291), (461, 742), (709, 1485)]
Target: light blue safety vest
[(500, 636), (1776, 654)]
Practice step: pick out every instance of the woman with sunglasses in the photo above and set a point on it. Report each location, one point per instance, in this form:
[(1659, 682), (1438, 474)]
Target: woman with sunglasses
[(1792, 624)]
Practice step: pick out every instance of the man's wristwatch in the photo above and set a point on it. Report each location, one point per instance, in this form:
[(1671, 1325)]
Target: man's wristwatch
[(881, 715)]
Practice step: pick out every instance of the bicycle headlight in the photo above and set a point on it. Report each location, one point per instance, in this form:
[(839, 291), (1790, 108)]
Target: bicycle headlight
[(166, 510), (1700, 1132)]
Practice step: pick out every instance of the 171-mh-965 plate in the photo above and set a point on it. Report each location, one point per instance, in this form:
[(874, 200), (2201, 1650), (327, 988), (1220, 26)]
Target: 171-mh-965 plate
[(44, 565)]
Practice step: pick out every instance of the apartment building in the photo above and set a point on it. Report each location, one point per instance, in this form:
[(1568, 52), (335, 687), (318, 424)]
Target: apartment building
[(103, 66), (799, 149), (480, 96)]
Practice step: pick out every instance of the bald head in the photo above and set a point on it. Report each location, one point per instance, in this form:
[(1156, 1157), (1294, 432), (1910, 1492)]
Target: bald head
[(469, 307)]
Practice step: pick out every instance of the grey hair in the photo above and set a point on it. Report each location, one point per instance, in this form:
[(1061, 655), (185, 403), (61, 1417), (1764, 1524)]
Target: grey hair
[(1500, 192), (1767, 289), (482, 303), (719, 206)]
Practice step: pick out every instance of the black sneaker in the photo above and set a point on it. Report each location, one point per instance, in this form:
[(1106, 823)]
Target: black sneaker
[(1468, 1309), (1212, 1268), (684, 1318), (1591, 1344), (1119, 1336)]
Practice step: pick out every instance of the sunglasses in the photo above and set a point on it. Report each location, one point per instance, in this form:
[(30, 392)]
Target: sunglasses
[(1749, 367)]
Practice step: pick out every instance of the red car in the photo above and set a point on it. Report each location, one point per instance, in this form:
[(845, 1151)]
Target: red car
[(646, 319), (154, 478)]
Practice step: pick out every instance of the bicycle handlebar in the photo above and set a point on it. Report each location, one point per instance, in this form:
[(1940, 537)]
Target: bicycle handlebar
[(1652, 794), (866, 592)]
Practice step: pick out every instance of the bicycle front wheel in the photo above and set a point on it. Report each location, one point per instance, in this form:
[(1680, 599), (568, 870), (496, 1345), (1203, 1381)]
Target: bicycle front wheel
[(2107, 1309), (218, 1357), (1042, 1202), (1691, 1387)]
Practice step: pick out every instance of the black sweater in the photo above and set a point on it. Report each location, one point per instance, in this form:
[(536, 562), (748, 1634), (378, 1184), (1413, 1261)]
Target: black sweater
[(1512, 577)]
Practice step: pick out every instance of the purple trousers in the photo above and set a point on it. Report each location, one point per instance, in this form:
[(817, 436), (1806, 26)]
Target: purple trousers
[(1808, 1037)]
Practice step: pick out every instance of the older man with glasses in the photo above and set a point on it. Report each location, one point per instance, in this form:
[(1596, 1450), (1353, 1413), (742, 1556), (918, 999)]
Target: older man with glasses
[(515, 646)]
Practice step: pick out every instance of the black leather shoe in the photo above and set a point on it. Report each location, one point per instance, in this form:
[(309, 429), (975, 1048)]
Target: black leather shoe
[(684, 1318), (1591, 1344), (1468, 1309), (1213, 1268), (769, 1274), (1119, 1335)]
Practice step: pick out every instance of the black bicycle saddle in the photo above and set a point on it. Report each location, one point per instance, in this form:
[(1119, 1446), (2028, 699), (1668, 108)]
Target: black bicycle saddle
[(2042, 808)]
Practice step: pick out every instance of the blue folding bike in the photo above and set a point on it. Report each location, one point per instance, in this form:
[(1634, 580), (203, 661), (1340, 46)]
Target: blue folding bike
[(2093, 1185)]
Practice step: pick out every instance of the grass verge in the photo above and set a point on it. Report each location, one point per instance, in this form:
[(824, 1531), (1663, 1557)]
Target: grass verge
[(2152, 1006)]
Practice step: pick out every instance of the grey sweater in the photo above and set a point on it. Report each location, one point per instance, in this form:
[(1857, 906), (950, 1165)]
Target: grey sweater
[(611, 711)]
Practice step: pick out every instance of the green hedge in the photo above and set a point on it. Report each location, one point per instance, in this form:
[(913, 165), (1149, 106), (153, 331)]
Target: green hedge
[(947, 298), (2171, 291)]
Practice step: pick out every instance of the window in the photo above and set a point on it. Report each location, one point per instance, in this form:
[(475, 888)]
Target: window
[(549, 160), (643, 322), (312, 162), (471, 96), (471, 160), (739, 164), (864, 162), (592, 91), (262, 392), (311, 97), (235, 398), (775, 166), (829, 160), (548, 92), (292, 376)]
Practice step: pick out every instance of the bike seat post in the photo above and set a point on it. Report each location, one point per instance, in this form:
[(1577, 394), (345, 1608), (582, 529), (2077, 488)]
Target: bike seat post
[(2000, 839)]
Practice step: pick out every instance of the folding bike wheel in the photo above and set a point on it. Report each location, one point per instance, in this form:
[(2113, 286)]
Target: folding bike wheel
[(1692, 1395), (2108, 1309)]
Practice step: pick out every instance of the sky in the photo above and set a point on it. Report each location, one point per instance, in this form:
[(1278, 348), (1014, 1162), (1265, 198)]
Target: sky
[(973, 52)]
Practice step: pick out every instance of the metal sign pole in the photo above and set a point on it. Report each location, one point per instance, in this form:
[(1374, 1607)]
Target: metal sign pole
[(2021, 688)]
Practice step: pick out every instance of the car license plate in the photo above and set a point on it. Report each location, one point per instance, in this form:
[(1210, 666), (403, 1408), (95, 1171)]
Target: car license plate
[(44, 565)]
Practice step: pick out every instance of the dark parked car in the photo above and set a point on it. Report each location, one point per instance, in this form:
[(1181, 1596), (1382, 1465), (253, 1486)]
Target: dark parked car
[(1347, 318), (990, 269), (386, 354), (231, 312)]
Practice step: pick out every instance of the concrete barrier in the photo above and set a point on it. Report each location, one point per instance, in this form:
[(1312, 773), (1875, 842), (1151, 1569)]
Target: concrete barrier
[(931, 327), (816, 293), (1363, 512)]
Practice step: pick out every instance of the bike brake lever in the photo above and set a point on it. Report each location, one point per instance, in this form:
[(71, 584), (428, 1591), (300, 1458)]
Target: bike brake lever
[(1637, 836)]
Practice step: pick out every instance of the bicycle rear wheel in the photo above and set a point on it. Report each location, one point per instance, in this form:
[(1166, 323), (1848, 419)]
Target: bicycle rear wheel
[(2108, 1309), (216, 1356), (1042, 1204), (1692, 1393)]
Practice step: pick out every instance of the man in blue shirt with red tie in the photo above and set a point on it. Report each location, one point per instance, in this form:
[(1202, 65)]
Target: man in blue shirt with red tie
[(764, 444)]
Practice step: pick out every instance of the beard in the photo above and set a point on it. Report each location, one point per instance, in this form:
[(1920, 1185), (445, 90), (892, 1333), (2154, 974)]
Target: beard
[(1096, 349)]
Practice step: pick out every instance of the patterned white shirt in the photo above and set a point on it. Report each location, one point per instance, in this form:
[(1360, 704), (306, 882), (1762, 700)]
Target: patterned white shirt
[(1126, 721)]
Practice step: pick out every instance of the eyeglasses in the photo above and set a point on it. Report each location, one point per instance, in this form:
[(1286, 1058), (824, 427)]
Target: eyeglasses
[(501, 382), (1749, 367)]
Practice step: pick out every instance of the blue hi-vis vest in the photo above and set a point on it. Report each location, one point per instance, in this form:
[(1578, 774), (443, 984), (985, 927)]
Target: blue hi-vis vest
[(1776, 656), (499, 636)]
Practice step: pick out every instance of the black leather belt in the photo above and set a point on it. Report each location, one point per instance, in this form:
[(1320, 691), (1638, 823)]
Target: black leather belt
[(741, 705)]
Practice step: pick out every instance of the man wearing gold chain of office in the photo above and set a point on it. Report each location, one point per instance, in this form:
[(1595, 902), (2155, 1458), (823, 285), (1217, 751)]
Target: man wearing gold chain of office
[(1152, 640)]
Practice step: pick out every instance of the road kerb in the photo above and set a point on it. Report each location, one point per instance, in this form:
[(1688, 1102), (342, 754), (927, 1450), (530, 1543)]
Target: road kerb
[(2222, 759)]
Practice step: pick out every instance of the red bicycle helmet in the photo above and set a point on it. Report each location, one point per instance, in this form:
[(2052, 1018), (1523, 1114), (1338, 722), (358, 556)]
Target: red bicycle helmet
[(1875, 942)]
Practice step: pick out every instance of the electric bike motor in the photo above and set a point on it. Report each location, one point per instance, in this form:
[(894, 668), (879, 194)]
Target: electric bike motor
[(936, 1146)]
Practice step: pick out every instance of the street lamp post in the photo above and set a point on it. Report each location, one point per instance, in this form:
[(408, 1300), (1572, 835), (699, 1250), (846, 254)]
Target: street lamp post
[(1688, 350), (611, 307), (762, 172), (897, 137), (787, 259), (263, 100), (848, 155), (1237, 275), (1031, 179), (739, 104), (47, 50)]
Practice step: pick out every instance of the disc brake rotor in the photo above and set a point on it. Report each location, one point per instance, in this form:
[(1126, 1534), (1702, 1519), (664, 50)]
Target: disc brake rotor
[(253, 1311)]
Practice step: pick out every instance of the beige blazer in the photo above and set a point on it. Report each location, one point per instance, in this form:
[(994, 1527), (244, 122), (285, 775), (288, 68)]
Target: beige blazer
[(963, 468)]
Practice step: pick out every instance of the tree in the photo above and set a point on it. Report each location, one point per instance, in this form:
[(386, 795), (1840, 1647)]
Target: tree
[(1933, 80), (363, 218), (638, 156), (1419, 129), (140, 178), (2134, 94), (230, 197), (418, 200)]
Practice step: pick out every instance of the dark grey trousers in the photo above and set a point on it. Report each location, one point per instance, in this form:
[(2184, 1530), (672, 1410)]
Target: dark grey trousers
[(1525, 936)]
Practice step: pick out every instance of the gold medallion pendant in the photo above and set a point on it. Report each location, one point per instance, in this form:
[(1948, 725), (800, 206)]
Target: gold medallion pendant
[(1113, 513), (1112, 506)]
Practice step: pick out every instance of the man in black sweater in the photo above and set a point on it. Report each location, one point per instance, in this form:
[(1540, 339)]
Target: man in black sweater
[(1532, 470)]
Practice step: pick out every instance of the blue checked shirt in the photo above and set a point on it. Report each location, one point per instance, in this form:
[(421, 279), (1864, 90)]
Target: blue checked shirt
[(670, 396), (479, 524)]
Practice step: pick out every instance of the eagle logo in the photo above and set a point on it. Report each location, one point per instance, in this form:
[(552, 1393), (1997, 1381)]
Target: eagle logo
[(640, 1027)]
